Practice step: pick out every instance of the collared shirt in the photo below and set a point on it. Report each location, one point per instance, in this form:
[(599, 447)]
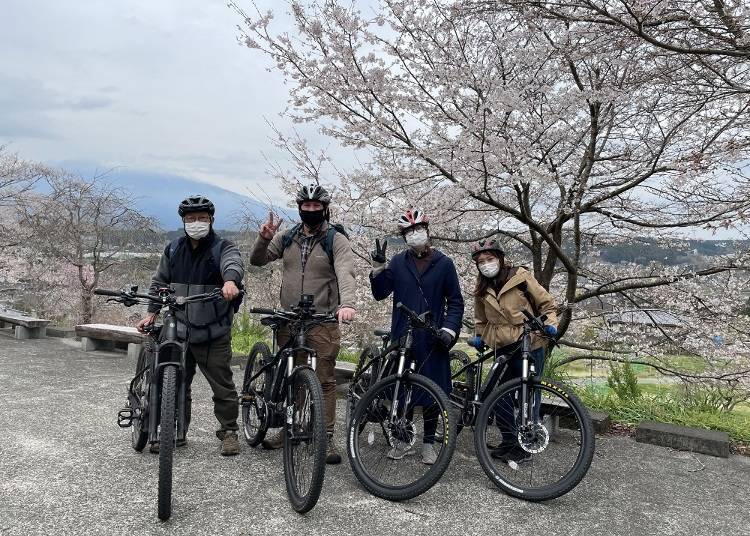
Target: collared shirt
[(306, 245)]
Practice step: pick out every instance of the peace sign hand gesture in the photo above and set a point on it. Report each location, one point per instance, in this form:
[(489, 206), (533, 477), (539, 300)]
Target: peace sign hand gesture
[(269, 228), (378, 255)]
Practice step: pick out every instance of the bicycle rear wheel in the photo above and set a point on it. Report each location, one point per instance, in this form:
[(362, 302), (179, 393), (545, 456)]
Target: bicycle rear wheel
[(254, 415), (548, 456), (394, 421), (139, 428), (359, 387), (167, 434), (305, 442)]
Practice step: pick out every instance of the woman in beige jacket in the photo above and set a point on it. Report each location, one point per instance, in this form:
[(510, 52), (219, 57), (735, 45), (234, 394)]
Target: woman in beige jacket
[(501, 294)]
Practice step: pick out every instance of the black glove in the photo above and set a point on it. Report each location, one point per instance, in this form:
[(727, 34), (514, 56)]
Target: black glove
[(446, 339), (378, 255)]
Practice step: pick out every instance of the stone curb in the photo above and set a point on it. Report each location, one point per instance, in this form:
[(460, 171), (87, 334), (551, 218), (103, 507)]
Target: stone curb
[(678, 437)]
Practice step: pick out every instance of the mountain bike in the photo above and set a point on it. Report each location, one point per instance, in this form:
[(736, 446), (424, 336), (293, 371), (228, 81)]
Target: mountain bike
[(533, 437), (393, 410), (155, 409), (280, 388)]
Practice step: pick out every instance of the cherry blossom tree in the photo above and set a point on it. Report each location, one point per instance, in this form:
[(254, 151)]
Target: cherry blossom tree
[(556, 131), (83, 224)]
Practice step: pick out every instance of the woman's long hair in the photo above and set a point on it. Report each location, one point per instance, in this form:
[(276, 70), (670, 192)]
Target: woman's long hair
[(484, 282)]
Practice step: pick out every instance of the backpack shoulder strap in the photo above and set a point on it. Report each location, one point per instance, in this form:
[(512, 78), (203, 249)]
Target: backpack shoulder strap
[(330, 237), (216, 248), (173, 245), (286, 240)]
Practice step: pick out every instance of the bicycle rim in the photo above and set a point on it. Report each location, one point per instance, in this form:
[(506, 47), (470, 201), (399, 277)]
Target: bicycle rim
[(543, 459), (394, 427)]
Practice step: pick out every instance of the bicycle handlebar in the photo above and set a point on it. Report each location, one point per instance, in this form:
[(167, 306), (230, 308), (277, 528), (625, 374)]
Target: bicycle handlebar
[(420, 320), (105, 292), (129, 298)]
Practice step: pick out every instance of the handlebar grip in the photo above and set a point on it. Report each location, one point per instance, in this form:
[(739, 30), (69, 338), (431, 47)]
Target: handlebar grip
[(262, 311), (105, 292)]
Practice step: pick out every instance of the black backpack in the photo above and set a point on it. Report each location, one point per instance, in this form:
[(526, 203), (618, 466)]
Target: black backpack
[(327, 243)]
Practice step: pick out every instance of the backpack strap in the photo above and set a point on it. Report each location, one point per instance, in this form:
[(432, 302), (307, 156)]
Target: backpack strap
[(286, 240), (173, 245), (327, 243), (330, 237)]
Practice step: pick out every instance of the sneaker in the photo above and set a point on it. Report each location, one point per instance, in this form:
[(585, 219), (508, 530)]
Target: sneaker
[(230, 446), (428, 454), (276, 442), (400, 450), (332, 453), (510, 452)]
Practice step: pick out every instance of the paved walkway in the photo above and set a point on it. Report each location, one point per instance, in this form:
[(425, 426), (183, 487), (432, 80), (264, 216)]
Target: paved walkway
[(66, 468)]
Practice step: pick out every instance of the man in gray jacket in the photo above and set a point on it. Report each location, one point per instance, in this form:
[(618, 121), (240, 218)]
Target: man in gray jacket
[(316, 259), (198, 262)]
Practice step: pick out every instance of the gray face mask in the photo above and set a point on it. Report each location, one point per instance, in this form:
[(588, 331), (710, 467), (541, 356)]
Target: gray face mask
[(417, 238), (197, 229)]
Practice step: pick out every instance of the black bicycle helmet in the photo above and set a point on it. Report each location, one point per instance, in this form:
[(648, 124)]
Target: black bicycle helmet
[(313, 192), (196, 203)]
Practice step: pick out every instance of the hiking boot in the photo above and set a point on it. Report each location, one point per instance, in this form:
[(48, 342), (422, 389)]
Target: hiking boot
[(400, 450), (181, 442), (154, 448), (332, 453), (274, 443), (428, 454), (230, 446)]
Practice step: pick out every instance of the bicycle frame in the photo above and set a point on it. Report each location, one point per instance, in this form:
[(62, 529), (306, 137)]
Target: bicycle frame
[(497, 370), (170, 341), (283, 374)]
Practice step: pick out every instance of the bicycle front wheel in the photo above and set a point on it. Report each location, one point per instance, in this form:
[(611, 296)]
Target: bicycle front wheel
[(167, 433), (305, 442), (252, 400), (401, 437), (542, 456)]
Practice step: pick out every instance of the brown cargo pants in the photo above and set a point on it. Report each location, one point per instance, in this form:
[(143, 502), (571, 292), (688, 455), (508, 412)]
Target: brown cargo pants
[(325, 339)]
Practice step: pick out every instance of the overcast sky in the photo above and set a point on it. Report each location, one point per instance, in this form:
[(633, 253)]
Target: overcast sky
[(152, 85)]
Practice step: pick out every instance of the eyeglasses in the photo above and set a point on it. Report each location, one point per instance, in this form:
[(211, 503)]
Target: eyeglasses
[(192, 218)]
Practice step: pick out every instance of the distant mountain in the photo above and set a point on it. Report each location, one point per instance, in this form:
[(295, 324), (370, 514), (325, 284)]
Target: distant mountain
[(159, 194)]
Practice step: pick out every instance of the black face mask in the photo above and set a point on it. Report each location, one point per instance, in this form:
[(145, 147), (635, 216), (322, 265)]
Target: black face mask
[(312, 218)]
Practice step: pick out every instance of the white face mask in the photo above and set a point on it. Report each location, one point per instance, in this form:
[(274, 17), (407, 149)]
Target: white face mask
[(417, 238), (490, 269), (197, 229)]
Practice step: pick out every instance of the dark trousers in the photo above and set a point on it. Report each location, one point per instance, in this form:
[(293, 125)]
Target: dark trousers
[(214, 359), (506, 407)]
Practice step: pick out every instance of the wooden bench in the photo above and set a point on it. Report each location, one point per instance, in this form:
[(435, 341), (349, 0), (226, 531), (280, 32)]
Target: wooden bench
[(105, 336), (25, 326)]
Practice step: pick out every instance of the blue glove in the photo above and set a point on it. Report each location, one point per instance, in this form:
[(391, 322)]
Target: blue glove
[(550, 330), (476, 341)]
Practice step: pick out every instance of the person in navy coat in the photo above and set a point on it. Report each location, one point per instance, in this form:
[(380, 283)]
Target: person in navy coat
[(423, 279)]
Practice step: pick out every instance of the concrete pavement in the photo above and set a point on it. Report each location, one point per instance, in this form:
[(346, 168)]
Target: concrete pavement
[(66, 468)]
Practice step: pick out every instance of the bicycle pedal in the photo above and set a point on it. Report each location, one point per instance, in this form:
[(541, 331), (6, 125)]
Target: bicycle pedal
[(125, 417)]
